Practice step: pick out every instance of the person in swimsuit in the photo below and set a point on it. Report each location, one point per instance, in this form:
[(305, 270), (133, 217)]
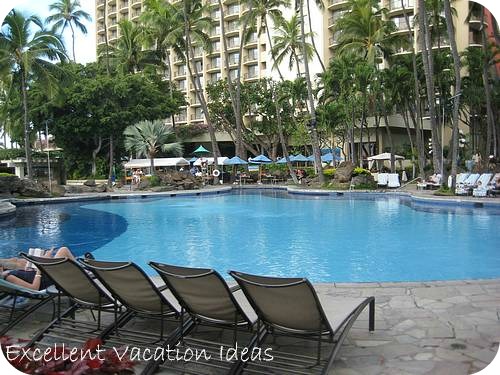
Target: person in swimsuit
[(31, 278)]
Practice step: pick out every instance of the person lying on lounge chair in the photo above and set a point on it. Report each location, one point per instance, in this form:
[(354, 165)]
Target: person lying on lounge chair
[(27, 277)]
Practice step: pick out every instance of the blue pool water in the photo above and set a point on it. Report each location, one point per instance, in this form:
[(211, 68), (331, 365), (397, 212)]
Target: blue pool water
[(273, 233)]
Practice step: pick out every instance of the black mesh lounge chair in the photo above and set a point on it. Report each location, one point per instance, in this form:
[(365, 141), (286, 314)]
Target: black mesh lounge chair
[(290, 306), (72, 281), (209, 301), (139, 295), (12, 314)]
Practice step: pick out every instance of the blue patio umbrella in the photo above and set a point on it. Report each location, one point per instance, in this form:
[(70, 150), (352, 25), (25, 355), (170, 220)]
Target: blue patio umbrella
[(283, 160), (235, 160), (300, 159), (310, 158), (193, 159), (261, 159)]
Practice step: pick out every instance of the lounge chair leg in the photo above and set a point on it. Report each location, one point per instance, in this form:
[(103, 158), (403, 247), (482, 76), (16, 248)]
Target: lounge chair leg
[(371, 318)]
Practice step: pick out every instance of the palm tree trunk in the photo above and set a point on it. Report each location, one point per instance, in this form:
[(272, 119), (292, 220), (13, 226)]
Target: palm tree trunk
[(458, 88), (487, 91), (312, 110), (404, 114), (313, 42), (419, 139), (426, 46), (27, 145), (94, 155), (111, 160), (282, 140), (195, 80), (152, 163), (73, 40)]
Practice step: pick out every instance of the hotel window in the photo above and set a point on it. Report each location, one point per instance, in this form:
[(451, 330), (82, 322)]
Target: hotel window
[(233, 9), (233, 42), (214, 77), (182, 85), (198, 113), (234, 58), (216, 46), (233, 74), (215, 14), (215, 62), (252, 71)]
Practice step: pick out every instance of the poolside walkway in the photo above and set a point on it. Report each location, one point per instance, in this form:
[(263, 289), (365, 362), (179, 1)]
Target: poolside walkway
[(434, 328)]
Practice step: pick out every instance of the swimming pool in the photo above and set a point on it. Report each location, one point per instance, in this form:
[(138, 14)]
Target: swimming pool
[(272, 232)]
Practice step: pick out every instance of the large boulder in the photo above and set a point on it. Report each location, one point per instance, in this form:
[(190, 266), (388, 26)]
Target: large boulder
[(9, 185), (343, 173), (90, 183), (144, 184), (30, 188), (78, 189), (365, 181)]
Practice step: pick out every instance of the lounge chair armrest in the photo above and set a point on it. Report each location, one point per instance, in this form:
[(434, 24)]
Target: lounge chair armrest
[(162, 288), (234, 288)]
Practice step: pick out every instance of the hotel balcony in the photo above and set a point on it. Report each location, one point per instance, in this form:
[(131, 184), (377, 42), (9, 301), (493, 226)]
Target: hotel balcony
[(100, 4), (250, 58), (335, 4), (123, 7), (395, 6)]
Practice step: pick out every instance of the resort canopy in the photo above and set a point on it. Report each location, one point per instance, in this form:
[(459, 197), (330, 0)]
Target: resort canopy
[(300, 158), (210, 161), (381, 158), (159, 162)]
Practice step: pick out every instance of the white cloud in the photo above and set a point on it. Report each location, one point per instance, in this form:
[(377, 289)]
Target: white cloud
[(85, 48)]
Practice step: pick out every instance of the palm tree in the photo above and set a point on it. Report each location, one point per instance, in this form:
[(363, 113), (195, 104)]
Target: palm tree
[(264, 11), (68, 13), (28, 53), (148, 138), (194, 24), (312, 110), (129, 56), (366, 31), (458, 87), (321, 6), (427, 57), (288, 43)]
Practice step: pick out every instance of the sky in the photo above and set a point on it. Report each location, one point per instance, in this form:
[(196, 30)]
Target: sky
[(84, 44)]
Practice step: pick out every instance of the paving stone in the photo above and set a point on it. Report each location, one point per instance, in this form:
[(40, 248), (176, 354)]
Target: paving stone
[(440, 332), (450, 368), (402, 302), (417, 333), (405, 325), (412, 367), (469, 290), (424, 356), (485, 355), (435, 292), (450, 355)]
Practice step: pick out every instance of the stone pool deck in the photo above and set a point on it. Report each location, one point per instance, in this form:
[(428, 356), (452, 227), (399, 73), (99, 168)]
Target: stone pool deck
[(434, 328)]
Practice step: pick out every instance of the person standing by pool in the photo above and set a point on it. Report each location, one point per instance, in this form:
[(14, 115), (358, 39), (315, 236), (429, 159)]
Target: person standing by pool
[(28, 277)]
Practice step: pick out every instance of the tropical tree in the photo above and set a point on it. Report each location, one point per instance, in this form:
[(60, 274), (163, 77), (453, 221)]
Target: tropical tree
[(27, 53), (312, 110), (68, 13), (288, 43), (366, 32), (195, 25), (428, 62), (129, 56), (148, 138), (265, 12)]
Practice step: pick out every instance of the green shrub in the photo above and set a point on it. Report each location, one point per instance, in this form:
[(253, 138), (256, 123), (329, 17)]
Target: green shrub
[(154, 180), (310, 171), (358, 171), (444, 191), (6, 174), (11, 153), (329, 172)]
